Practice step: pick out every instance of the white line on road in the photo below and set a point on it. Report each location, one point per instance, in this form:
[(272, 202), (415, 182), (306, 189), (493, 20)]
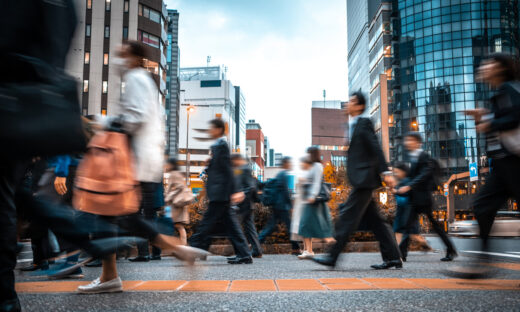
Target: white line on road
[(492, 253)]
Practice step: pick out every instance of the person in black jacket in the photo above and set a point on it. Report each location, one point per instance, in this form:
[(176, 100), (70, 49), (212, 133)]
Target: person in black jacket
[(420, 187), (246, 183), (365, 165), (502, 73), (221, 192)]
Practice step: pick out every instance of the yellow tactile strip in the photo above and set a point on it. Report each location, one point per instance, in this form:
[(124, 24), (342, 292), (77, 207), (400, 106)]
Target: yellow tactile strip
[(323, 284)]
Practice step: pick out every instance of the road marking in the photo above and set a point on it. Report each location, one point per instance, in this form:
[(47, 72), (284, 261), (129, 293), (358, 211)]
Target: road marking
[(492, 253), (324, 284)]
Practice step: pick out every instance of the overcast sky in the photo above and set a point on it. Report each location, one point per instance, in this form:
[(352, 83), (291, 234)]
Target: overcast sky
[(282, 53)]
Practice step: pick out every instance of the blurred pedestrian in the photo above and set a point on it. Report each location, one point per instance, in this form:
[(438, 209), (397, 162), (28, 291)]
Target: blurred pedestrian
[(420, 185), (405, 229), (178, 196), (140, 115), (365, 165), (315, 220), (245, 182), (282, 206), (501, 126), (222, 193)]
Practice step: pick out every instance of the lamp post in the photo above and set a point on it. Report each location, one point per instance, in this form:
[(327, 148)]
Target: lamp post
[(189, 109)]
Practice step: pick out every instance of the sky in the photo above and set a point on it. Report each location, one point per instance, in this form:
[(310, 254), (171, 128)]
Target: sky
[(282, 53)]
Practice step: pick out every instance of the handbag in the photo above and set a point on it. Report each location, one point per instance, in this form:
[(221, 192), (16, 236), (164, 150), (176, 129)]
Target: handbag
[(511, 138), (324, 194), (40, 116), (183, 198)]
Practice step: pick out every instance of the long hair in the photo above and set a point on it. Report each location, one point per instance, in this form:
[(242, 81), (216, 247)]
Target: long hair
[(314, 154)]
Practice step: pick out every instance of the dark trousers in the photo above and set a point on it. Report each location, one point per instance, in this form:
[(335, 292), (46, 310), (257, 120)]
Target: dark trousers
[(360, 206), (220, 211), (247, 218), (148, 211), (404, 244), (428, 212), (279, 216), (501, 185), (10, 175)]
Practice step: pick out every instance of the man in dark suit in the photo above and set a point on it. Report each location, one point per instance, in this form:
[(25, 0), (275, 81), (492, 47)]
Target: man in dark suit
[(221, 192), (420, 186), (246, 183), (365, 165), (282, 206)]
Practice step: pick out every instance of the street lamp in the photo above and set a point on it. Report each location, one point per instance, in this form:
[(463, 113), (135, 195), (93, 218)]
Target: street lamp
[(189, 110)]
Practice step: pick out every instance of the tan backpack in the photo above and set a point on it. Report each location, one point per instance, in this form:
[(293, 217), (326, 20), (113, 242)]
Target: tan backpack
[(105, 180)]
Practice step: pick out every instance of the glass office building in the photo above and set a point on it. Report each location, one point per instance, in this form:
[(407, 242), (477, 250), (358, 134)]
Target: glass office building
[(438, 46)]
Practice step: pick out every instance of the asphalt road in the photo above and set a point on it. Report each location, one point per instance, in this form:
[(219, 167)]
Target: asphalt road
[(419, 265), (506, 249)]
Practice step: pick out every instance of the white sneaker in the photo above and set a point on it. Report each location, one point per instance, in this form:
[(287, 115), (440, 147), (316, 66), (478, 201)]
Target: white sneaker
[(190, 254), (306, 255), (96, 287)]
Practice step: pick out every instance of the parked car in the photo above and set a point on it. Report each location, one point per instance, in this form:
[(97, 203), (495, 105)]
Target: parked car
[(507, 224)]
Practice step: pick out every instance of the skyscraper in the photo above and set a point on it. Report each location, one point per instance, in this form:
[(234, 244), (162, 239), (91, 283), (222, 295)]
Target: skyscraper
[(441, 44), (357, 45), (172, 83), (102, 27)]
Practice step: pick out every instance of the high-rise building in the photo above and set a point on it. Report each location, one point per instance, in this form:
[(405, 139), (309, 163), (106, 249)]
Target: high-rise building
[(208, 95), (380, 68), (278, 157), (172, 83), (255, 145), (102, 27), (357, 45), (441, 44), (271, 158), (240, 120), (328, 132), (267, 147)]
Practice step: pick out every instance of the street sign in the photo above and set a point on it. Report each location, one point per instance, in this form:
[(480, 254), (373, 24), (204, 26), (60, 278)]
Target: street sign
[(446, 193), (473, 171)]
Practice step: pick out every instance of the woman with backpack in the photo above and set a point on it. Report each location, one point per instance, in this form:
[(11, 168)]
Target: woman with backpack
[(315, 221), (135, 132)]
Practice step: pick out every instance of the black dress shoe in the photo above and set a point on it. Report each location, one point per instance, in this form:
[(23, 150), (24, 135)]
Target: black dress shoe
[(140, 259), (156, 257), (324, 260), (388, 264), (257, 256), (231, 258), (12, 305), (94, 264), (450, 255), (246, 260)]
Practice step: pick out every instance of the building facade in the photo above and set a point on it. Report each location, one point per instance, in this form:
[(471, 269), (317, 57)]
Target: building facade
[(255, 141), (172, 83), (329, 132), (357, 45), (208, 95), (240, 120), (102, 27), (441, 44)]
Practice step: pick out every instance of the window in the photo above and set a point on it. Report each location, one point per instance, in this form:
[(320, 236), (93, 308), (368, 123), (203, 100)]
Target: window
[(148, 39), (104, 111), (155, 16), (87, 30), (140, 9), (125, 32), (146, 12), (105, 87), (107, 5), (89, 4), (107, 31), (126, 6), (87, 58), (105, 58), (85, 85)]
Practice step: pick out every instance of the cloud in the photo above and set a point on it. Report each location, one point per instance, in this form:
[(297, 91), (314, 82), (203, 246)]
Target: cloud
[(281, 53)]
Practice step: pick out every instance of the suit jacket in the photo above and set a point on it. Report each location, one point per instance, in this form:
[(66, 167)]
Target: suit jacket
[(221, 182), (421, 180), (244, 182), (365, 161), (283, 200)]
